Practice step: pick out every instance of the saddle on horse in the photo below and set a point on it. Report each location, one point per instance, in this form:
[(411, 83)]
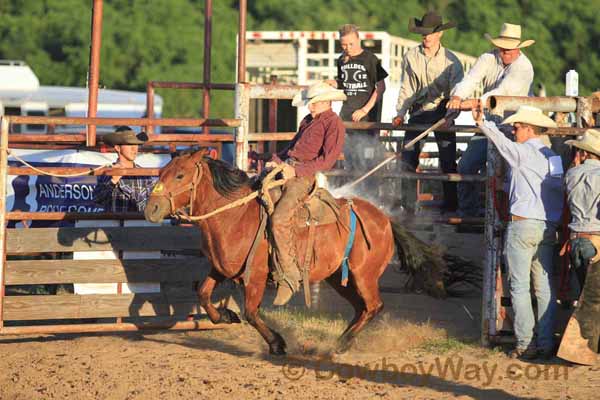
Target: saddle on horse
[(316, 209)]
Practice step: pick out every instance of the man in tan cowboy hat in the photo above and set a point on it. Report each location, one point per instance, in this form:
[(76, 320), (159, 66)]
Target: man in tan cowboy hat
[(429, 72), (124, 193), (536, 205), (504, 71), (315, 148), (583, 196)]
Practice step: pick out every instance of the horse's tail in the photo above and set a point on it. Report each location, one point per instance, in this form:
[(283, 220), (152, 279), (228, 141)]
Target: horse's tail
[(430, 269), (424, 263)]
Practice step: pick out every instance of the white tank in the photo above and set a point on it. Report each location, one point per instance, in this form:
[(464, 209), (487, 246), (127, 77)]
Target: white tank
[(572, 83)]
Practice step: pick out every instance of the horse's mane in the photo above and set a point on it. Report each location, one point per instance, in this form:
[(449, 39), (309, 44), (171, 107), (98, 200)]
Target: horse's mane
[(226, 178)]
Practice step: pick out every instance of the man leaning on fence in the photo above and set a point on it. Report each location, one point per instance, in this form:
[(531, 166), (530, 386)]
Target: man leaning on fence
[(504, 71), (536, 199), (429, 72), (124, 193), (583, 193), (315, 148)]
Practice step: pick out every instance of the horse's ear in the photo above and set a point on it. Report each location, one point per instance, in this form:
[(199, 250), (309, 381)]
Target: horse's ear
[(203, 152), (175, 154)]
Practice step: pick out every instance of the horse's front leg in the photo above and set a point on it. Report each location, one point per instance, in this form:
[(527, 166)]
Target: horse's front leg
[(216, 315), (254, 291)]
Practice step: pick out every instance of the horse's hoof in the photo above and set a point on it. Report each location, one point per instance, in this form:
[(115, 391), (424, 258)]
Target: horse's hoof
[(228, 317), (343, 347), (277, 349)]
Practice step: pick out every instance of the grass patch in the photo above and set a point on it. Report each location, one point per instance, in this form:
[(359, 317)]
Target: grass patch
[(307, 325), (443, 345), (311, 329), (388, 335)]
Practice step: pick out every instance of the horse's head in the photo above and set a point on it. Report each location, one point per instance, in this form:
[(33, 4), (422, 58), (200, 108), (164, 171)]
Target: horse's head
[(176, 187)]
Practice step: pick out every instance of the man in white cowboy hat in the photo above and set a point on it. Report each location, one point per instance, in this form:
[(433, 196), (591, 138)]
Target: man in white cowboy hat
[(315, 148), (504, 71), (583, 196), (361, 77), (124, 193), (536, 205), (429, 72)]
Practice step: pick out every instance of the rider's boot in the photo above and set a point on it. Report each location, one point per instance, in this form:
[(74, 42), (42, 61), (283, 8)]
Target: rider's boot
[(284, 294)]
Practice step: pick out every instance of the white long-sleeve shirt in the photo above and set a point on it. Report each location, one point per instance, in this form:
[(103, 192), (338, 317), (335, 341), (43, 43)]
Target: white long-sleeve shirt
[(535, 191), (515, 79)]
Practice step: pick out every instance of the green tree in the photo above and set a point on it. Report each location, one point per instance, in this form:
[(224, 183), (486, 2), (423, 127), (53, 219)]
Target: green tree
[(163, 39)]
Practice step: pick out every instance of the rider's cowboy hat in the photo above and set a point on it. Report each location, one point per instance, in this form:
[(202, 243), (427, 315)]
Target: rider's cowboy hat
[(532, 116), (430, 23), (320, 91), (509, 38), (590, 141), (124, 135)]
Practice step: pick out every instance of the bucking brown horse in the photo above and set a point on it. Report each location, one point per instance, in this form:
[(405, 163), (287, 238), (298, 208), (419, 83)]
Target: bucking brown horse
[(199, 185)]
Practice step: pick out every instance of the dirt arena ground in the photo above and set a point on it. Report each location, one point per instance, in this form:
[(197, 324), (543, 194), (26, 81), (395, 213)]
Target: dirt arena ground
[(407, 354), (420, 348)]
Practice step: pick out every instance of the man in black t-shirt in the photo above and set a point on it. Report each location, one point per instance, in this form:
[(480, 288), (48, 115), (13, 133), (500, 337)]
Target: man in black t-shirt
[(361, 76)]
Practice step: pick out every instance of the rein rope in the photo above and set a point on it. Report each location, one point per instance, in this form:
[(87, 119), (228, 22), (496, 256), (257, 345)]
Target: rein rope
[(267, 184), (41, 171)]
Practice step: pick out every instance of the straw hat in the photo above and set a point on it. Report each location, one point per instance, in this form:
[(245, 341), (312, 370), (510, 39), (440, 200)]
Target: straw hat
[(430, 23), (320, 91), (124, 135), (509, 38), (532, 116), (590, 141)]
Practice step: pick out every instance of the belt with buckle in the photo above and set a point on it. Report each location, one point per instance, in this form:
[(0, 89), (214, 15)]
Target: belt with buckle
[(585, 235), (517, 218)]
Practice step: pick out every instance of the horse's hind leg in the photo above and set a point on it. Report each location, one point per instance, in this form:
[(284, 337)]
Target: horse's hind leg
[(254, 291), (216, 315), (365, 298), (348, 293)]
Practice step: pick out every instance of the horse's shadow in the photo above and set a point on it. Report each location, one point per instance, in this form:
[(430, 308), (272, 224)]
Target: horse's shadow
[(170, 300), (323, 368)]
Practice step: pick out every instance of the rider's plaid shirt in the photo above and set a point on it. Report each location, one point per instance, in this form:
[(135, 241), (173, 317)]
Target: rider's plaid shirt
[(130, 194)]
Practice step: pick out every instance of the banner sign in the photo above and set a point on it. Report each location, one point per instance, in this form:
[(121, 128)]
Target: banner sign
[(54, 194)]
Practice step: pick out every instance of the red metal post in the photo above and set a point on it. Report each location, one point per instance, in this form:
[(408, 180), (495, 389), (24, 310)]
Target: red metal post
[(94, 69), (150, 106), (241, 67), (207, 60)]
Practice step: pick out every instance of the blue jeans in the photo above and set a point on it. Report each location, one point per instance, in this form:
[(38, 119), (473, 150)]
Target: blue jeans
[(529, 252), (471, 162)]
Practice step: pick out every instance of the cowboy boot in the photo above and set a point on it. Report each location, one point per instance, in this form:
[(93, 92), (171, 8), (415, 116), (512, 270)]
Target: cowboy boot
[(282, 229), (284, 294), (288, 275)]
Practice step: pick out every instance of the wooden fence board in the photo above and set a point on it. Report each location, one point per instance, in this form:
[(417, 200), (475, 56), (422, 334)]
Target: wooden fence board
[(36, 272), (39, 240), (98, 306)]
